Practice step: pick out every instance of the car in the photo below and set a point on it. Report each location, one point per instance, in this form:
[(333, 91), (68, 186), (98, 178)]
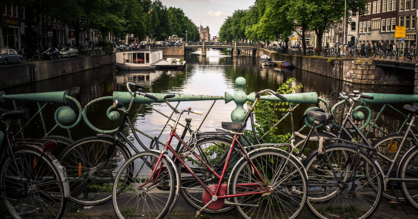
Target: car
[(51, 53), (10, 55), (143, 43), (160, 43), (69, 52)]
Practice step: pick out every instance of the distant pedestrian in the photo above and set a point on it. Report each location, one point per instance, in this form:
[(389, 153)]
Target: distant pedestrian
[(384, 48)]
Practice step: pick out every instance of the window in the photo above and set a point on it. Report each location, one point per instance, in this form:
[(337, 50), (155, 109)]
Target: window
[(5, 10), (361, 27), (11, 11), (22, 13), (393, 5), (364, 26), (413, 21), (389, 5), (369, 8), (407, 5), (413, 4), (393, 23), (401, 6), (378, 6), (353, 26), (368, 26), (376, 24), (388, 25), (407, 24), (384, 5), (383, 25), (401, 21), (16, 10), (374, 7)]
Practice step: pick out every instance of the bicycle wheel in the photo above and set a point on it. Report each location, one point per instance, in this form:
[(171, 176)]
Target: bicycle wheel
[(408, 170), (286, 180), (82, 160), (389, 146), (332, 193), (33, 188), (151, 200), (212, 151)]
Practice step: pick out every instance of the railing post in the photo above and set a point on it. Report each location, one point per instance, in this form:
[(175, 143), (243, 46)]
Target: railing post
[(203, 49), (235, 50)]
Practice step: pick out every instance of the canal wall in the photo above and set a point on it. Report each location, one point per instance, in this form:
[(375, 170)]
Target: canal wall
[(26, 73), (358, 71)]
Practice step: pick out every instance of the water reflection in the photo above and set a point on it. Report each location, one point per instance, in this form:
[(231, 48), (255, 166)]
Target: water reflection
[(214, 74)]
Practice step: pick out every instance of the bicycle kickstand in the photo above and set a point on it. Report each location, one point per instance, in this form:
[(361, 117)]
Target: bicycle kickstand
[(399, 202)]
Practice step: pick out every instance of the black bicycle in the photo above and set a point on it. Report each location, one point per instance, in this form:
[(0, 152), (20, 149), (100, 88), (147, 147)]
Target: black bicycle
[(33, 184)]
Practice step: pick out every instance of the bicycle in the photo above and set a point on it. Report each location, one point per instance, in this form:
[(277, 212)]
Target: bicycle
[(157, 179), (90, 171), (334, 169), (32, 181)]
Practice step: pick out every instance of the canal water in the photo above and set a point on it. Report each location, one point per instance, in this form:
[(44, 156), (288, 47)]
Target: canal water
[(214, 74)]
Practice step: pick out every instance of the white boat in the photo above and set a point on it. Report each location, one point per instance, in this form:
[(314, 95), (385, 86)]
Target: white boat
[(265, 60), (138, 59)]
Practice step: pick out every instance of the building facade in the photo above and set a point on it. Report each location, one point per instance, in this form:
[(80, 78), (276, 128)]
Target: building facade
[(204, 33), (10, 28)]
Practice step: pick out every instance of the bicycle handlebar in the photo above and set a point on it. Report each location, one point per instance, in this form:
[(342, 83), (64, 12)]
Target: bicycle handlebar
[(273, 93), (367, 97)]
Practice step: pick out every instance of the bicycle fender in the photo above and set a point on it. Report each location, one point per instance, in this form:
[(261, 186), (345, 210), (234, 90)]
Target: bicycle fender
[(263, 148), (403, 157), (176, 172), (63, 174)]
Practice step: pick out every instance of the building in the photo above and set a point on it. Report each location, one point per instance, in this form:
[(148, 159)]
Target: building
[(378, 24), (10, 28), (204, 33)]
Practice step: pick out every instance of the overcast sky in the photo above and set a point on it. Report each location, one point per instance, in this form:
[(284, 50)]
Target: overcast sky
[(210, 13)]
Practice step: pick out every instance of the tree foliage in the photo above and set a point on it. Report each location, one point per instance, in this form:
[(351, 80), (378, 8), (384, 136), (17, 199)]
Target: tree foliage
[(277, 19), (119, 17)]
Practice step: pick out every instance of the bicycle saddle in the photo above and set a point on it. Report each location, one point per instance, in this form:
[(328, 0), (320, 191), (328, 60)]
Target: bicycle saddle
[(234, 126), (411, 109), (320, 116), (6, 114)]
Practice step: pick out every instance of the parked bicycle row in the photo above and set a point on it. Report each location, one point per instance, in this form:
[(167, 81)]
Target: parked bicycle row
[(338, 178), (405, 54)]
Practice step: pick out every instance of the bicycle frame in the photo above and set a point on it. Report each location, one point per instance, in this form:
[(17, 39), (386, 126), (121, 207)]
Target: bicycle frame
[(220, 177)]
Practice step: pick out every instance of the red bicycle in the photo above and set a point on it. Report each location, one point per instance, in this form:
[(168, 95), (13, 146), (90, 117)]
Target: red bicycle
[(266, 182)]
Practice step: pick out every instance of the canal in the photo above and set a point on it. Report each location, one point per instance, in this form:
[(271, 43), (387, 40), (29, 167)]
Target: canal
[(214, 74)]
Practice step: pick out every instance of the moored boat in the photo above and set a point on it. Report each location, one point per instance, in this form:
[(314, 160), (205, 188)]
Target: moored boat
[(138, 59)]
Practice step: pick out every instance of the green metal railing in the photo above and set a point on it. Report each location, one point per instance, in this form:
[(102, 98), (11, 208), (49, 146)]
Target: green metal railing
[(65, 117)]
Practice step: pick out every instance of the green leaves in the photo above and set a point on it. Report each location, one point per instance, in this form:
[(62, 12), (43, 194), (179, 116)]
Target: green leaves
[(267, 114)]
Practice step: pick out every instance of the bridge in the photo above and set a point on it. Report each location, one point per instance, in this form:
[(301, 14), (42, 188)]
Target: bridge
[(236, 47)]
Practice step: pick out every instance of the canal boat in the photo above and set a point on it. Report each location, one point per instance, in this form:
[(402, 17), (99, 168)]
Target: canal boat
[(283, 64), (265, 60), (171, 63), (138, 59)]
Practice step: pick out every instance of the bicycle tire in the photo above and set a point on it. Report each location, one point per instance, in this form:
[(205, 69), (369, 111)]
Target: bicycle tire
[(50, 201), (408, 189), (125, 206), (288, 177), (190, 189), (78, 160), (335, 203), (382, 144)]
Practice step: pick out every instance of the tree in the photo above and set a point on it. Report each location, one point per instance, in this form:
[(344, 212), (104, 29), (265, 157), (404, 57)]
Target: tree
[(274, 23), (326, 13), (300, 12)]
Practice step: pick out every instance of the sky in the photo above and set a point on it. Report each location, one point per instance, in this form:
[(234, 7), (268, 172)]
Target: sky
[(210, 13)]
